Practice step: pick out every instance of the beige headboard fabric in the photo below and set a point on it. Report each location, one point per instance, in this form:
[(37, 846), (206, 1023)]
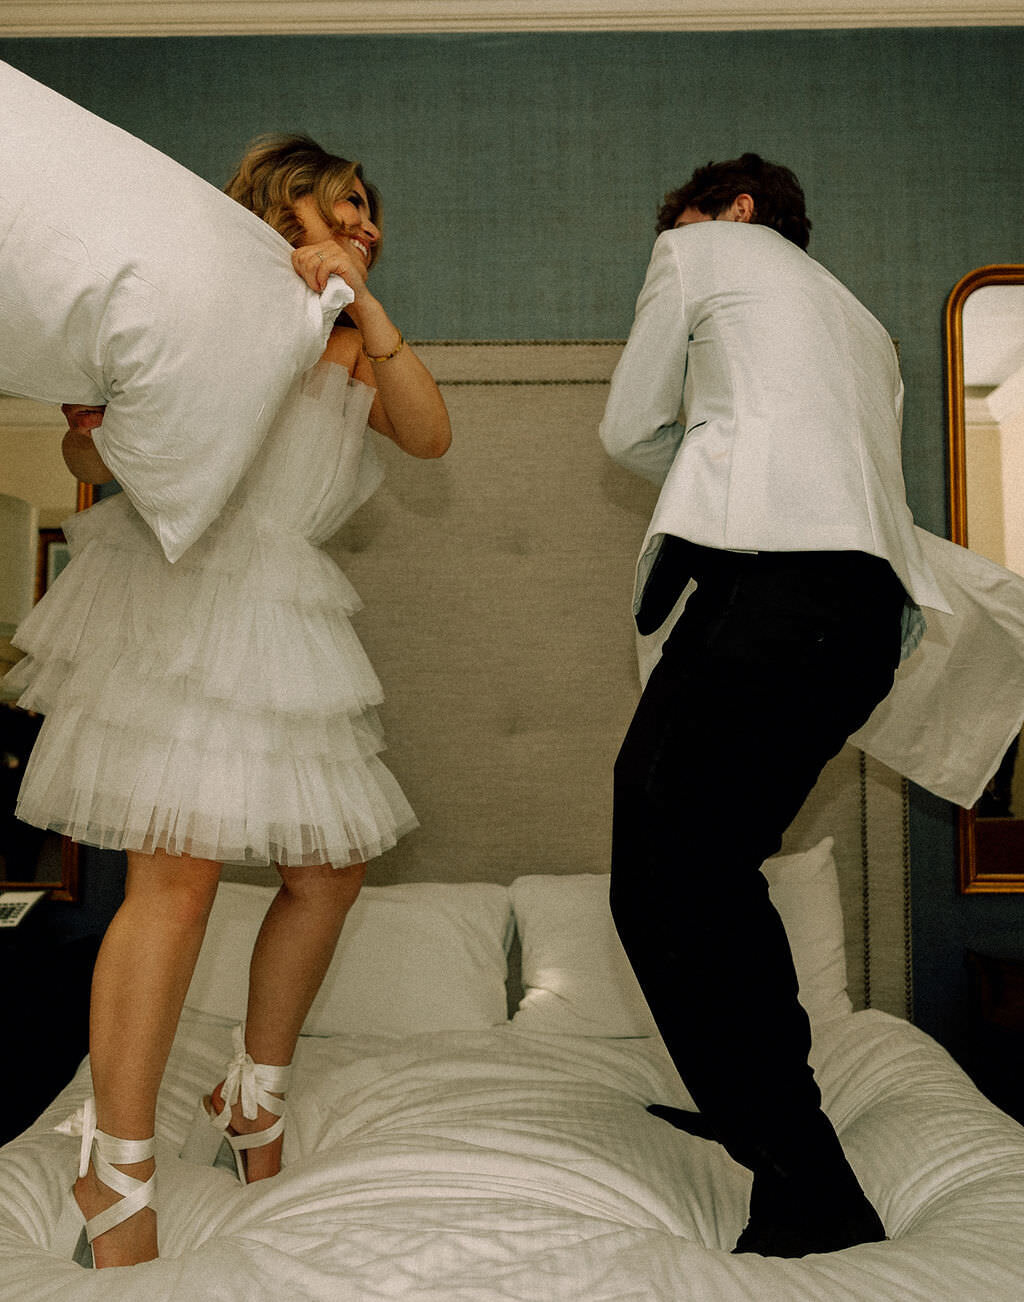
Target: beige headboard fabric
[(497, 584)]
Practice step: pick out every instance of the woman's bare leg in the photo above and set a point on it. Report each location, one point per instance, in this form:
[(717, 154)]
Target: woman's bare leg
[(139, 983), (289, 961)]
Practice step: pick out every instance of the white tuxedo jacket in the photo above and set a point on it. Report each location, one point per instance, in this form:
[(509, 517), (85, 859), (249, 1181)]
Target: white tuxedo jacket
[(791, 399), (789, 440)]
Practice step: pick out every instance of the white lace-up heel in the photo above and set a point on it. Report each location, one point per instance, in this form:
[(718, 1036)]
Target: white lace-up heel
[(73, 1228), (211, 1140)]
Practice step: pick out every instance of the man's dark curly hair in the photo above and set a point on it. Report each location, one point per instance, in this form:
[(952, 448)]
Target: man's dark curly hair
[(778, 198)]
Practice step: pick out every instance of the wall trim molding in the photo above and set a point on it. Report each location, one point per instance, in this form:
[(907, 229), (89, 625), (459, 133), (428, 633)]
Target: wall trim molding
[(25, 413), (270, 17)]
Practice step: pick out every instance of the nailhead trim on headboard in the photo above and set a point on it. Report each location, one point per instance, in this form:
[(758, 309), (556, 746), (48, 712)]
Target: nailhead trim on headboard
[(865, 874)]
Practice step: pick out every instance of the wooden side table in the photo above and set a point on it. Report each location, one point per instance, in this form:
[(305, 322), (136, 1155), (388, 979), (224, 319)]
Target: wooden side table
[(46, 1016), (996, 1029)]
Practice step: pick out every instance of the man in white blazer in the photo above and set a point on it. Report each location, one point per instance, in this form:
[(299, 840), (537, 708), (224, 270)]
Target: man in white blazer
[(783, 499)]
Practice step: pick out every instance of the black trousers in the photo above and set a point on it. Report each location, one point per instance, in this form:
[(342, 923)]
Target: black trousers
[(775, 661)]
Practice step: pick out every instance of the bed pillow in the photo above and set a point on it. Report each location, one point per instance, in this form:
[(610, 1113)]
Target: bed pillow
[(578, 981), (127, 280), (423, 956), (804, 887)]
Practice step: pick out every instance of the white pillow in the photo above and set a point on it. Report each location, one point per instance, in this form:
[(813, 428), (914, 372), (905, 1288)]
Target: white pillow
[(425, 956), (127, 280), (578, 980), (576, 977), (804, 887)]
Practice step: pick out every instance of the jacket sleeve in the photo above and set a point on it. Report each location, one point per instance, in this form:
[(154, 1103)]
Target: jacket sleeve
[(640, 429)]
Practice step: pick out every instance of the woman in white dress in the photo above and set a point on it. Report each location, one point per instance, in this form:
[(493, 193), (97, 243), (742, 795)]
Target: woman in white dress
[(221, 709)]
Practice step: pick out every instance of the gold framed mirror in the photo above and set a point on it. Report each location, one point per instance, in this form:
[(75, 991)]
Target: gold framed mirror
[(984, 353), (39, 493)]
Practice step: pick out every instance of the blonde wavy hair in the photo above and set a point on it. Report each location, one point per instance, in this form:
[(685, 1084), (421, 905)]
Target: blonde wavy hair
[(278, 169)]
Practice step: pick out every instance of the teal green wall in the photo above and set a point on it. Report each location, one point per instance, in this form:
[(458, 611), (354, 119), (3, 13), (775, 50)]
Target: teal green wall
[(521, 173)]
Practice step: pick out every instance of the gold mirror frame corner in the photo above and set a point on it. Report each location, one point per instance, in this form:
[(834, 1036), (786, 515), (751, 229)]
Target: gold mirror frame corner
[(86, 496), (973, 878)]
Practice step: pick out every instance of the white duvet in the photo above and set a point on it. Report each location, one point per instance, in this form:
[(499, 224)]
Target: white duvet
[(493, 1166)]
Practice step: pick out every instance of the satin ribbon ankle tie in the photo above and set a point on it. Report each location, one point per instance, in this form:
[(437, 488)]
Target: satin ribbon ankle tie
[(135, 1193), (251, 1082)]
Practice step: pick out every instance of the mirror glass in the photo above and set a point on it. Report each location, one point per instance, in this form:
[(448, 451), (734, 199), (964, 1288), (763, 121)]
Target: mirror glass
[(985, 371), (36, 494)]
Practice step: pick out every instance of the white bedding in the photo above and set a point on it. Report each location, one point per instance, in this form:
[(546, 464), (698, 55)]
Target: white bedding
[(480, 1166)]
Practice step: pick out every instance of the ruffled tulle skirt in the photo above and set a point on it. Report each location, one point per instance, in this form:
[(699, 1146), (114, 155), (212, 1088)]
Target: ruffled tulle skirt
[(220, 707)]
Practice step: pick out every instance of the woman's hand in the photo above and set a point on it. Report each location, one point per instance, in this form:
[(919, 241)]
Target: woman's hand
[(80, 455), (337, 256), (81, 418), (408, 407)]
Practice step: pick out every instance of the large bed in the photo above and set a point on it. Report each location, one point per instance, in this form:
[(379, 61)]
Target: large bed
[(468, 1114)]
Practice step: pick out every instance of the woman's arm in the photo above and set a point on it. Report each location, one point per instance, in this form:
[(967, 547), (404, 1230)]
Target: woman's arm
[(80, 455), (408, 407)]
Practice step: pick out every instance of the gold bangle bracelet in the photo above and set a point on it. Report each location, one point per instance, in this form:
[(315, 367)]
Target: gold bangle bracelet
[(386, 357)]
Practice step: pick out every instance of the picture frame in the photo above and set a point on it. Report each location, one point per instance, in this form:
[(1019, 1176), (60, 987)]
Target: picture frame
[(54, 553)]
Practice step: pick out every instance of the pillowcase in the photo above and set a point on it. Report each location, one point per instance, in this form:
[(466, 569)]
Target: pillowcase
[(576, 977), (425, 956), (127, 280), (578, 980), (804, 887)]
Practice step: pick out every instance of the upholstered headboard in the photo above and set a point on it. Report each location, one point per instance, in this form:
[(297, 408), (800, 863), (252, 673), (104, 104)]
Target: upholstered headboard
[(497, 584)]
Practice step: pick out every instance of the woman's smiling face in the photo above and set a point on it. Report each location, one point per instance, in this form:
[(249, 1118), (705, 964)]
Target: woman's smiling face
[(351, 220)]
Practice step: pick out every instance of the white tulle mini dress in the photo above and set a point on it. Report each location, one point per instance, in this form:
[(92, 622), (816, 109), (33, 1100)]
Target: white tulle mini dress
[(222, 706)]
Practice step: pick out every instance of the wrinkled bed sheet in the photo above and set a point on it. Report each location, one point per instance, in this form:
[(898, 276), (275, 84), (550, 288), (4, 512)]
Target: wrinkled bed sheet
[(494, 1166)]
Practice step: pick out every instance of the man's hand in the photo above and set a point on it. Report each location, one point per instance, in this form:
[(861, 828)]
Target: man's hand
[(80, 455)]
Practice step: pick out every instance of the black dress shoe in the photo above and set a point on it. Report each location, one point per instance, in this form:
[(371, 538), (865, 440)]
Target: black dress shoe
[(815, 1205), (793, 1217), (807, 1205)]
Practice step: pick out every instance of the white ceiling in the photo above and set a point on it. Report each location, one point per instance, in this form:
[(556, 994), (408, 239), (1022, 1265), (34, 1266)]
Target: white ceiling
[(210, 17)]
